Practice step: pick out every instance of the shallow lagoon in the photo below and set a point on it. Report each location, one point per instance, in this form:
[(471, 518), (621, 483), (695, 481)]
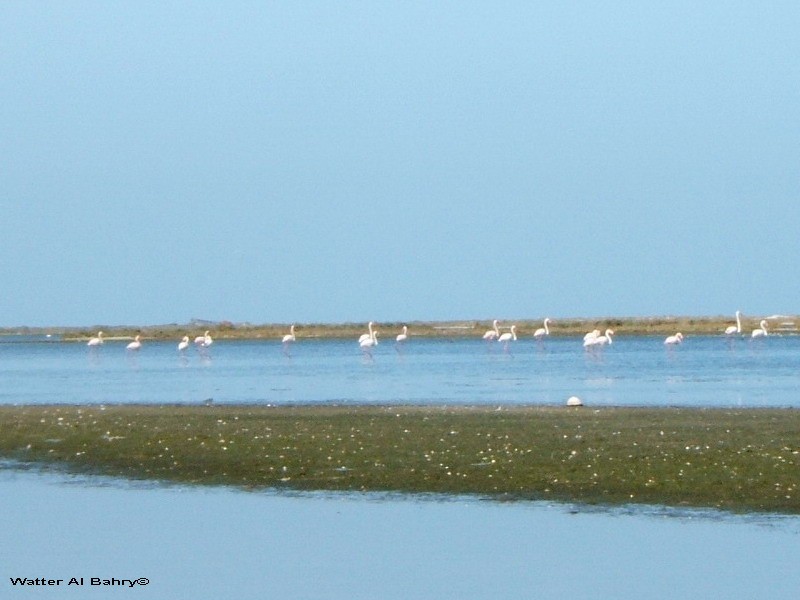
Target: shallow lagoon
[(223, 543), (703, 371), (197, 543)]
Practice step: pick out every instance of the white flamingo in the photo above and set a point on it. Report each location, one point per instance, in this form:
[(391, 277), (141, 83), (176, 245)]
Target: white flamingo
[(592, 335), (366, 336), (606, 338), (204, 341), (507, 338), (674, 339), (403, 337), (762, 332), (135, 345), (368, 344), (599, 340), (493, 333), (184, 344), (288, 340), (542, 331), (96, 341), (735, 329), (289, 337)]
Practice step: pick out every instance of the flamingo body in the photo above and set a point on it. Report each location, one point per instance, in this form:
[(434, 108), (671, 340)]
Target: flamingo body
[(542, 331), (96, 341), (762, 331), (290, 337), (493, 333), (606, 339), (204, 340), (403, 337), (366, 336), (734, 329), (507, 337), (598, 340), (592, 335), (368, 344), (674, 339)]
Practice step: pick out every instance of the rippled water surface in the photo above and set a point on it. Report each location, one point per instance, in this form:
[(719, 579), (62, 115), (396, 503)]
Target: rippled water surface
[(200, 543), (703, 371), (221, 543)]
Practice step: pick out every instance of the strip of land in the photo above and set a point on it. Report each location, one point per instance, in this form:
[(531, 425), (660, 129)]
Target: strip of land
[(663, 325), (734, 460)]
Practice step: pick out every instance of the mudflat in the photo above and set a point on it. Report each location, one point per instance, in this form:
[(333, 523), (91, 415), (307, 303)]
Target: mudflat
[(737, 460)]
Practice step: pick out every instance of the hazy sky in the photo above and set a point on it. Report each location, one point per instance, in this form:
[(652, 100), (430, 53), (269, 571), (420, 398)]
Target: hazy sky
[(353, 161)]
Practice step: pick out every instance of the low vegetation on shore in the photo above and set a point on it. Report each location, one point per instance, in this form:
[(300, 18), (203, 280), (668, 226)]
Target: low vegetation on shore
[(665, 325), (735, 460)]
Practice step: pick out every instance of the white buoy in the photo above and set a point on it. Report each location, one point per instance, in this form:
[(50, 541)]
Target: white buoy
[(574, 401)]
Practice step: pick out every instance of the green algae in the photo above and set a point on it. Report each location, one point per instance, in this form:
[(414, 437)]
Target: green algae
[(734, 460)]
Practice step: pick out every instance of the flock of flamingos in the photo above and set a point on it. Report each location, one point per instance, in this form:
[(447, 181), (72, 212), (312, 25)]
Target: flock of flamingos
[(369, 340)]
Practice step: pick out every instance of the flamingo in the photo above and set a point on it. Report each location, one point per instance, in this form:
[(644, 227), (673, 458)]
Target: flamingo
[(762, 332), (366, 336), (203, 340), (542, 331), (674, 339), (289, 337), (493, 333), (605, 339), (96, 341), (598, 340), (506, 338), (592, 335), (734, 329), (403, 337), (135, 345), (287, 340), (184, 344), (368, 344)]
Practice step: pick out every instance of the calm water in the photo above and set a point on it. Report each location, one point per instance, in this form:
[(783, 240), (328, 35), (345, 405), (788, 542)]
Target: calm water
[(219, 543), (704, 371)]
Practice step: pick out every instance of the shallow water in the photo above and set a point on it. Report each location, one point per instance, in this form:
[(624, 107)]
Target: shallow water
[(197, 543), (636, 371), (222, 543)]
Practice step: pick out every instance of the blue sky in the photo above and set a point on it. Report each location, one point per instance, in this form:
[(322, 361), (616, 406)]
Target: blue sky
[(353, 161)]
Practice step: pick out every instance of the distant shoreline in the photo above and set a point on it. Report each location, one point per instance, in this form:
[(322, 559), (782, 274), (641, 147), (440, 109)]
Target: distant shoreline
[(739, 460), (658, 325)]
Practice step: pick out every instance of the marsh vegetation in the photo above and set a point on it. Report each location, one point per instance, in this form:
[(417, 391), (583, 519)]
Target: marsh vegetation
[(736, 460), (662, 325)]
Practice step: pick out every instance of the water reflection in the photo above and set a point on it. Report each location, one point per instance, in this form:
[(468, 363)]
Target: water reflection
[(220, 543)]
